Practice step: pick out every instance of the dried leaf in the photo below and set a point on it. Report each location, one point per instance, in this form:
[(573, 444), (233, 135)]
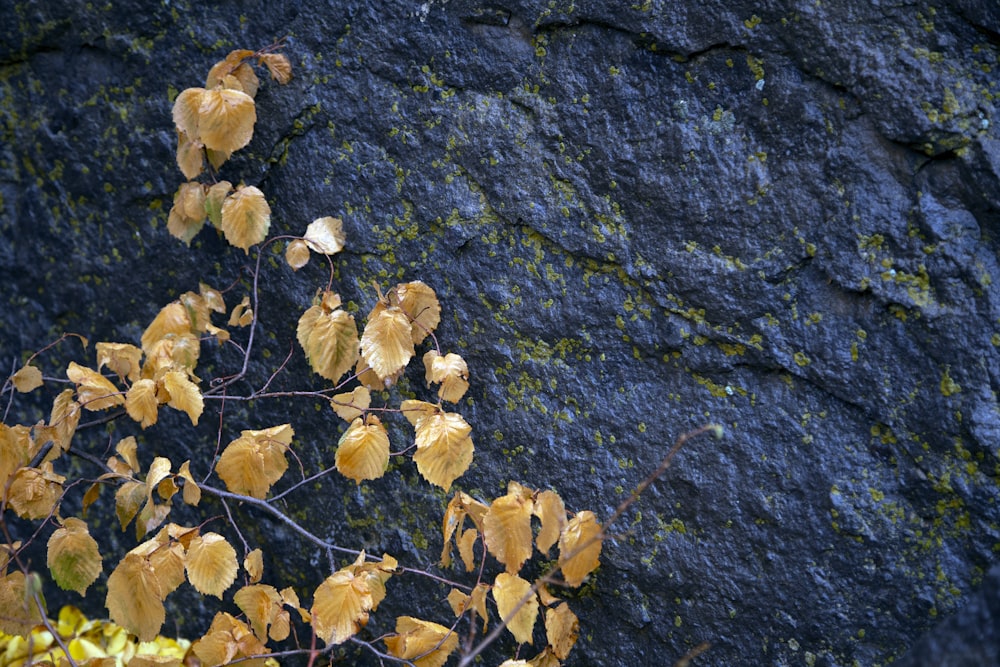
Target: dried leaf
[(122, 359), (279, 67), (262, 604), (233, 61), (93, 390), (256, 460), (126, 448), (415, 637), (172, 319), (184, 395), (189, 488), (246, 217), (28, 378), (186, 112), (329, 337), (450, 371), (326, 235), (34, 492), (444, 448), (549, 509), (242, 314), (254, 565), (213, 202), (363, 450), (297, 254), (386, 342), (187, 215), (466, 544), (211, 564), (340, 606), (15, 443), (351, 405), (134, 599), (190, 156), (580, 547), (141, 404), (420, 304), (225, 119), (561, 629), (64, 418), (73, 556), (517, 605), (228, 640), (19, 613), (507, 530)]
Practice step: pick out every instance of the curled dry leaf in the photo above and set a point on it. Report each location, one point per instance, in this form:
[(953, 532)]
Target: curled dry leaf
[(254, 565), (73, 556), (228, 640), (326, 235), (233, 61), (93, 390), (246, 217), (122, 359), (278, 65), (265, 610)]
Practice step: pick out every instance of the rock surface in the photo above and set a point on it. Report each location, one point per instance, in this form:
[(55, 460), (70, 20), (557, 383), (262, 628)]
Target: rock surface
[(782, 217)]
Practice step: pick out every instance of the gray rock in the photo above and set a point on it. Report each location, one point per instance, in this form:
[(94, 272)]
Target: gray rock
[(781, 217)]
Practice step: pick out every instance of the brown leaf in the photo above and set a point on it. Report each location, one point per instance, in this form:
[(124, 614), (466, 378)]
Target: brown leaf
[(279, 67), (228, 640), (234, 60), (19, 614), (246, 216)]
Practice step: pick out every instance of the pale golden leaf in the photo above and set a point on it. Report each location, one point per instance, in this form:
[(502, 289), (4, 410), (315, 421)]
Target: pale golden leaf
[(227, 640), (281, 626), (225, 119), (458, 601), (329, 339), (34, 492), (122, 359), (255, 461), (363, 450), (93, 390), (297, 254), (15, 443), (217, 158), (184, 395), (466, 544), (232, 62), (134, 600), (64, 418), (28, 378), (198, 311), (561, 629), (73, 556), (369, 378), (167, 559), (351, 405), (141, 404), (415, 410), (19, 613), (254, 565), (187, 215), (213, 298), (507, 530), (244, 79), (127, 448), (415, 637), (189, 488), (128, 499), (460, 506), (186, 112), (211, 564), (241, 311), (444, 448), (261, 604), (580, 547), (421, 306), (278, 65), (246, 217), (374, 574), (340, 607), (172, 319), (386, 342), (190, 156), (450, 371), (150, 517), (517, 605), (213, 202), (326, 235), (545, 659), (159, 469), (478, 601), (549, 509)]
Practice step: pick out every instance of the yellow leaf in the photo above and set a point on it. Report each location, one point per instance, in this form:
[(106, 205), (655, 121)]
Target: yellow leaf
[(254, 461), (421, 306), (134, 600), (374, 575), (363, 450), (561, 628), (415, 410), (225, 119), (351, 405), (64, 418), (166, 556), (450, 371), (213, 202), (172, 319), (34, 492), (460, 506), (551, 512), (507, 530), (246, 217), (228, 640), (297, 254), (444, 448), (90, 497), (93, 390), (190, 156), (329, 338), (27, 379), (279, 67), (466, 543), (128, 499), (141, 403), (232, 62), (184, 395), (15, 442), (73, 556), (186, 112), (580, 547), (217, 158), (189, 488), (187, 215), (122, 359), (386, 342), (127, 449), (211, 564), (517, 605), (243, 78), (325, 235), (415, 637), (242, 314), (19, 613), (254, 565), (262, 604), (340, 606)]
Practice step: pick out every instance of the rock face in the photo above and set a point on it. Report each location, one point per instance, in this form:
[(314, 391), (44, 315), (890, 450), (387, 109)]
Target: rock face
[(782, 217)]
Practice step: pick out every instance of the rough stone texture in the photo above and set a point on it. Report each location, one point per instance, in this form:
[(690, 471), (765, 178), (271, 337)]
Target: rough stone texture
[(778, 216)]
